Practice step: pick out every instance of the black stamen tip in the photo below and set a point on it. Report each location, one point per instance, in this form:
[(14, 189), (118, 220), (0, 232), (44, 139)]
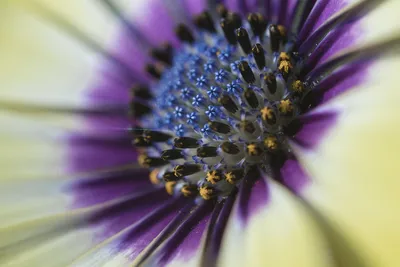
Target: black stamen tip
[(220, 127), (244, 40), (136, 131), (229, 31), (186, 142), (236, 20), (259, 57), (187, 169), (275, 37), (204, 21), (184, 34), (140, 141), (222, 11), (142, 92), (148, 162), (155, 136), (227, 102), (251, 98), (246, 72), (207, 151), (230, 148), (154, 71), (138, 109), (171, 154), (163, 54), (258, 23), (270, 82), (170, 177), (248, 127)]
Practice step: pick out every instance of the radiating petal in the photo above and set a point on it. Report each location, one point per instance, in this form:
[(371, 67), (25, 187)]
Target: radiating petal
[(355, 169), (278, 233)]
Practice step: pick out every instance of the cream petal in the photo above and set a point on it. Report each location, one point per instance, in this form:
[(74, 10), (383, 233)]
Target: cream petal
[(281, 233), (355, 169)]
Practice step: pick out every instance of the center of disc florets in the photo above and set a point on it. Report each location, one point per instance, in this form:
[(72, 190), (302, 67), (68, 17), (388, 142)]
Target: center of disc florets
[(220, 106)]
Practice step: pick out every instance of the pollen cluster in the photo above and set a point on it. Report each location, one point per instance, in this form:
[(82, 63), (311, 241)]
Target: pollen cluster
[(220, 104)]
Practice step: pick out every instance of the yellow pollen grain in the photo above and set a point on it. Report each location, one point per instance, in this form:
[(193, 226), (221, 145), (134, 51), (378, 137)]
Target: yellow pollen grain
[(298, 86), (142, 159), (284, 56), (282, 30), (285, 106), (169, 187), (267, 113), (213, 177), (253, 150), (285, 66), (207, 192), (271, 142), (188, 190), (153, 176), (230, 177)]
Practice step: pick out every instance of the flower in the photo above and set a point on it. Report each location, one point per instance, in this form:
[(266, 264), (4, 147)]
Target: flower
[(299, 167)]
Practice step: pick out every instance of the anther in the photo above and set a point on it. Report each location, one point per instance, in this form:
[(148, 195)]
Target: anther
[(285, 67), (189, 190), (268, 115), (259, 57), (140, 141), (207, 152), (148, 162), (154, 176), (214, 177), (251, 98), (243, 38), (227, 102), (277, 34), (283, 56), (222, 11), (170, 177), (234, 176), (247, 126), (186, 142), (163, 54), (298, 86), (187, 169), (143, 92), (270, 81), (154, 71), (205, 21), (229, 31), (156, 136), (207, 192), (230, 148), (138, 109), (169, 187), (258, 23), (171, 154), (271, 143), (285, 107), (246, 72), (254, 149), (184, 34), (220, 127)]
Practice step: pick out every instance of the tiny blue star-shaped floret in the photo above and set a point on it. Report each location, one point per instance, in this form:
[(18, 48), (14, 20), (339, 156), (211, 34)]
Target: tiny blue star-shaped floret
[(214, 92), (201, 81), (197, 101), (221, 76), (192, 118), (179, 130), (212, 112), (179, 112)]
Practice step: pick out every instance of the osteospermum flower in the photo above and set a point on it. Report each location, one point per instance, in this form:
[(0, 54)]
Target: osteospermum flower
[(231, 133)]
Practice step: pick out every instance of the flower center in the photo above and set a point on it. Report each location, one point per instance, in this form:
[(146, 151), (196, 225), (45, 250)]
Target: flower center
[(221, 104)]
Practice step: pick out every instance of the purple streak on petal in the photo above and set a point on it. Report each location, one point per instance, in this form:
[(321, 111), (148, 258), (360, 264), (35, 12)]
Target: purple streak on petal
[(253, 195), (292, 175), (238, 6), (195, 7), (186, 240), (312, 127), (157, 24), (322, 11), (108, 186), (339, 82), (89, 156)]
